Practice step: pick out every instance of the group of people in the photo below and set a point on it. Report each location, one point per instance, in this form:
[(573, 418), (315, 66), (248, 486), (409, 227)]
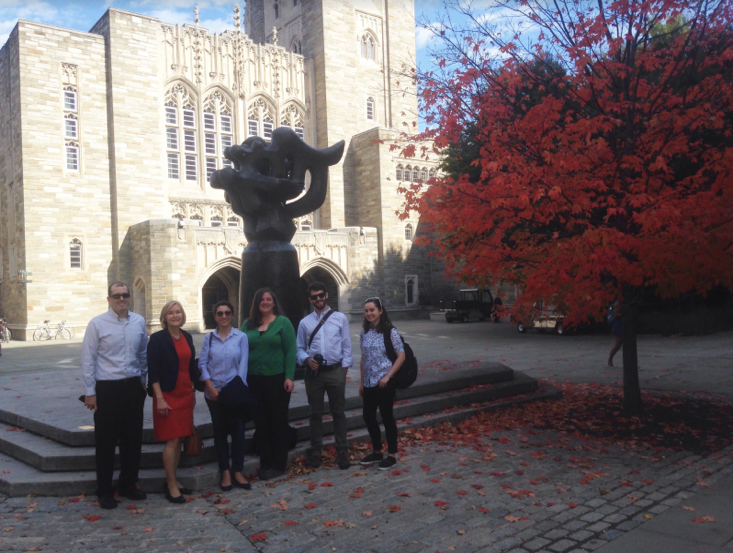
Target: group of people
[(247, 375)]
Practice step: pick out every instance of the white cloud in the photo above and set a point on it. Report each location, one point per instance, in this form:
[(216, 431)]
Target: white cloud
[(30, 10), (425, 34)]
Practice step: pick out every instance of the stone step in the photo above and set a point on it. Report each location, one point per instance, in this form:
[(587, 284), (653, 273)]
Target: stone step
[(18, 478), (48, 455), (62, 419)]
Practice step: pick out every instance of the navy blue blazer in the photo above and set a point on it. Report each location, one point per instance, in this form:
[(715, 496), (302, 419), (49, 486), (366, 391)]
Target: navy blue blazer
[(163, 360)]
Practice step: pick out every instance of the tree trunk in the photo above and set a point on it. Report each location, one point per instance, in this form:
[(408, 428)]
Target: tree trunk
[(633, 405)]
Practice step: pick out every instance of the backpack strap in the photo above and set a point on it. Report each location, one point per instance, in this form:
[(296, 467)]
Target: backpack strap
[(391, 353)]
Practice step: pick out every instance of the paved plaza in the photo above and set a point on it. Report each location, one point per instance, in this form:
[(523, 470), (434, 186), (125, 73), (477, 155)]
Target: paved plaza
[(485, 486)]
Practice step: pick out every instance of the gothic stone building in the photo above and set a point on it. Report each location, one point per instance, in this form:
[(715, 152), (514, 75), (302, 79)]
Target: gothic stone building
[(108, 139)]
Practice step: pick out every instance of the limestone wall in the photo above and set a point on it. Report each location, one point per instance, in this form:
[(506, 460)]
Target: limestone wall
[(12, 237), (66, 204)]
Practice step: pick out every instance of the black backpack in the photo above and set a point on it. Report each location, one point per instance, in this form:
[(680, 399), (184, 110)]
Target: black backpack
[(407, 373)]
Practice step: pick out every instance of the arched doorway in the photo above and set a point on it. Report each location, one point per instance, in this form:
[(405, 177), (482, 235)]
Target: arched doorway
[(220, 286), (319, 274)]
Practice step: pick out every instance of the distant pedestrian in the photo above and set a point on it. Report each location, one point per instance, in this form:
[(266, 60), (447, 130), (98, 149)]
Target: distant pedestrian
[(171, 371), (114, 365), (377, 389), (324, 347), (224, 356), (616, 330), (272, 358)]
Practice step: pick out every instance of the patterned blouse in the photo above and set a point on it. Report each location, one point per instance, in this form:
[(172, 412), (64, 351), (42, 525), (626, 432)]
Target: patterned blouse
[(374, 355)]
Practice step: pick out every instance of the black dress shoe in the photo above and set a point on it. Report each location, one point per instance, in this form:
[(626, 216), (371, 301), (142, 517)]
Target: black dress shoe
[(243, 485), (107, 502), (134, 494)]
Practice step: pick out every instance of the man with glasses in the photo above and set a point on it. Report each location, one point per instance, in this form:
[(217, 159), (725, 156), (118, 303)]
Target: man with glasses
[(324, 347), (114, 365)]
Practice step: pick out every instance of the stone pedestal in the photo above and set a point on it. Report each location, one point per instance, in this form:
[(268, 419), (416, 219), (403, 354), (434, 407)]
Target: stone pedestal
[(271, 264)]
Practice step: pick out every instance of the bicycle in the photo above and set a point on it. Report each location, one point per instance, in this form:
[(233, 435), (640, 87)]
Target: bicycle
[(44, 332), (4, 331)]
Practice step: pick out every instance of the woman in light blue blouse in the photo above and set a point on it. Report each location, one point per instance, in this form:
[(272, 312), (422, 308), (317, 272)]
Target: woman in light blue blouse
[(376, 388), (224, 356)]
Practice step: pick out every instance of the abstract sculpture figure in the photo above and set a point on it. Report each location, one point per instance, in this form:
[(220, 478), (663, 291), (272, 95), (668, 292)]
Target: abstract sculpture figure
[(265, 177), (268, 175)]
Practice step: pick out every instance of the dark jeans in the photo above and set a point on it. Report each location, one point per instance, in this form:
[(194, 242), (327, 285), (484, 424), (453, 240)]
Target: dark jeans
[(332, 382), (118, 420), (226, 422), (383, 398), (273, 431)]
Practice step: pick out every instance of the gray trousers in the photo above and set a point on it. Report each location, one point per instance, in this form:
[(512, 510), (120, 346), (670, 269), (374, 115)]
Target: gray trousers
[(333, 383)]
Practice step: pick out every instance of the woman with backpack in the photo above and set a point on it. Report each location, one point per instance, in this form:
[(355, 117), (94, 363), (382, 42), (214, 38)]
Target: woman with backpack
[(377, 389)]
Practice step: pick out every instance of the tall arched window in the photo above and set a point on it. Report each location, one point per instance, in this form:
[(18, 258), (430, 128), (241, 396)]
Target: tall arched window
[(408, 231), (75, 254), (431, 174), (180, 134), (277, 11), (218, 131), (398, 173), (370, 109), (233, 221), (71, 129), (424, 174), (296, 47), (408, 174), (415, 176)]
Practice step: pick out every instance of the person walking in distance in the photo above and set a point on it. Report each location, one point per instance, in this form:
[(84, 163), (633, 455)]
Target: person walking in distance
[(324, 347), (114, 369)]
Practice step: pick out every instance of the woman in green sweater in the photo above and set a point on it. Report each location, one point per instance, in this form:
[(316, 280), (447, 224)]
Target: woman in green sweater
[(272, 355)]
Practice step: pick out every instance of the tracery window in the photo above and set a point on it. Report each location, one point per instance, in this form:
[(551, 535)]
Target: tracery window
[(233, 221), (296, 46), (72, 156), (424, 174), (398, 173), (216, 221), (368, 46), (370, 109), (415, 177), (408, 174), (260, 119), (75, 254), (292, 116), (408, 231)]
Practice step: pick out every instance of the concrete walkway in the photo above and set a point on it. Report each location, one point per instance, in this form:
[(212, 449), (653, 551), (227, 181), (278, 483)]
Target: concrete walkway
[(519, 491)]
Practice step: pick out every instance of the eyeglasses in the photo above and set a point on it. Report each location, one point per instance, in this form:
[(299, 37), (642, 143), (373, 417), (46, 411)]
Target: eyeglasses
[(374, 299), (223, 313), (120, 296), (320, 296)]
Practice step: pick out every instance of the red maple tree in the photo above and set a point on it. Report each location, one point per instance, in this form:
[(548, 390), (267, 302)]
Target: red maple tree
[(604, 158)]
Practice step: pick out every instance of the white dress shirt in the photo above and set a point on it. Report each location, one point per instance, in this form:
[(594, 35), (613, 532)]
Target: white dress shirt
[(333, 340), (114, 348)]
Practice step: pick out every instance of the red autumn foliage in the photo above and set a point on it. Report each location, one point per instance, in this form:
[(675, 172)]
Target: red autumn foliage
[(603, 155)]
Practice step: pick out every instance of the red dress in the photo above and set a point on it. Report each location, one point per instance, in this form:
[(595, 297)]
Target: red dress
[(181, 400)]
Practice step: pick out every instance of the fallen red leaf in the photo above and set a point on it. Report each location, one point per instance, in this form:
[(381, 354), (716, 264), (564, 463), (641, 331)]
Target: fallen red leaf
[(311, 506), (291, 522), (258, 537)]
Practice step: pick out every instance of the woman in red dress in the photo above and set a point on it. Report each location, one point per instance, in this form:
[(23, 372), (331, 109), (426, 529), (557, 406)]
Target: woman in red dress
[(171, 368)]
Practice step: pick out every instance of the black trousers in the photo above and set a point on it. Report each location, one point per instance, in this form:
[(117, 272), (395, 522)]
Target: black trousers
[(226, 422), (382, 398), (272, 430), (118, 420)]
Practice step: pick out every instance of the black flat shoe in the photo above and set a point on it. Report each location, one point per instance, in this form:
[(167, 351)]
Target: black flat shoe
[(107, 502), (243, 485), (169, 497), (225, 488), (185, 491)]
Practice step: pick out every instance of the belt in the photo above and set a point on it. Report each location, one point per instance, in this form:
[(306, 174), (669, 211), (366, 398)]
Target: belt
[(330, 367)]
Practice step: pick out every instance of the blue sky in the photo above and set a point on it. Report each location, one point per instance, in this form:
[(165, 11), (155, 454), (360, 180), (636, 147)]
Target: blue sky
[(81, 15)]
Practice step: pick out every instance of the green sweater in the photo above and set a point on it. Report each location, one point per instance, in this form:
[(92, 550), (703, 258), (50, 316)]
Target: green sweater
[(274, 352)]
